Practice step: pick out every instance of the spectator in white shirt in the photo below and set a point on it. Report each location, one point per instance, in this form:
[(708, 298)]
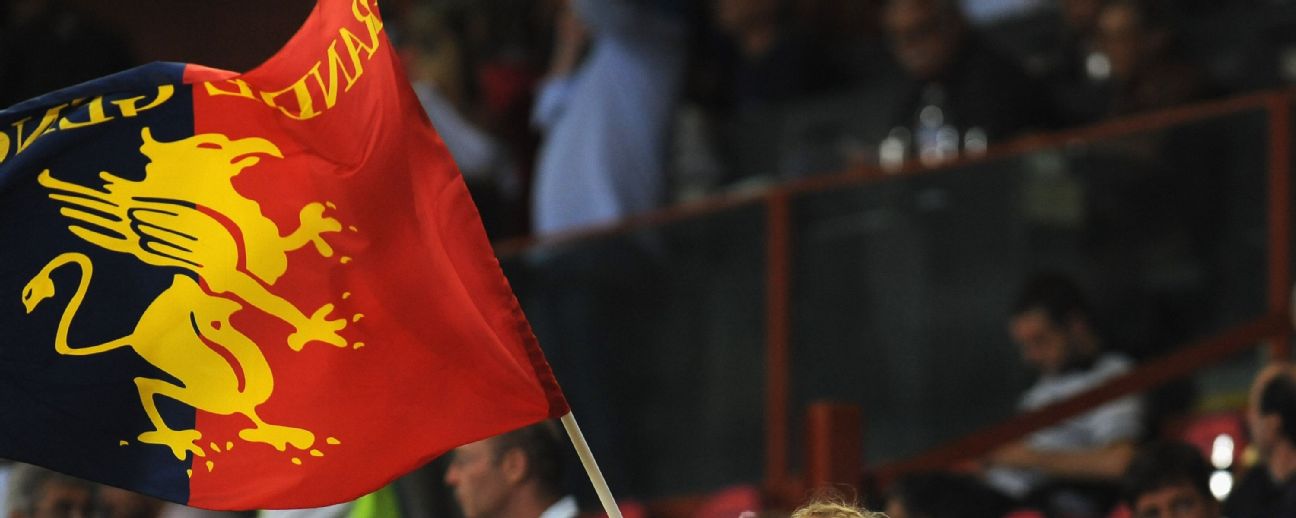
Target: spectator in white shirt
[(1068, 464)]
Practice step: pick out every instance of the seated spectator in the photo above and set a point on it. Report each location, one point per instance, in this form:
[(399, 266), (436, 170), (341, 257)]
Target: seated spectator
[(1139, 43), (945, 495), (1269, 489), (1170, 479), (958, 88), (1071, 468), (36, 492)]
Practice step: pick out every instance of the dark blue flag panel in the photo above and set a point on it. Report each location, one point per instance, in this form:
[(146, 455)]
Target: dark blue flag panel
[(81, 413)]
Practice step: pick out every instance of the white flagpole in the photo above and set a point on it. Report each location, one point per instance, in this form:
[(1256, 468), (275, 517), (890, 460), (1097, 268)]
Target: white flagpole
[(591, 466)]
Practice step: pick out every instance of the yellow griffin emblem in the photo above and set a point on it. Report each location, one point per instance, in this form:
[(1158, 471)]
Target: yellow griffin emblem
[(159, 221)]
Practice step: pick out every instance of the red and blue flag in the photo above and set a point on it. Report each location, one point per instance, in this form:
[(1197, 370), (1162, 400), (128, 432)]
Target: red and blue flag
[(257, 290)]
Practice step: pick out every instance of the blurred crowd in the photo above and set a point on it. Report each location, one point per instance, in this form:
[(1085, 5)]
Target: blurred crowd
[(567, 113)]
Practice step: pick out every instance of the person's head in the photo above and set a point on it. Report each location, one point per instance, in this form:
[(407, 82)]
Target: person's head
[(36, 492), (1271, 414), (831, 508), (492, 475), (740, 16), (1169, 479), (925, 35), (1051, 324), (1132, 34), (119, 503)]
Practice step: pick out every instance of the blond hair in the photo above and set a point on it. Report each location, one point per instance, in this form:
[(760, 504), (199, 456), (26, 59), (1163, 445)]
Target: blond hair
[(833, 509)]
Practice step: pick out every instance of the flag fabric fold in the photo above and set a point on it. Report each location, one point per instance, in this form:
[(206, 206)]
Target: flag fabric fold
[(258, 290)]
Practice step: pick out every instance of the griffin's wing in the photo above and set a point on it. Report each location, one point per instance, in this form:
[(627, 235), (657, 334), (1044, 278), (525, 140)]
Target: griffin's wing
[(160, 232)]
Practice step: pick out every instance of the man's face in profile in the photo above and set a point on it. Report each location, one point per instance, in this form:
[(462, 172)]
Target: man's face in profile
[(480, 486)]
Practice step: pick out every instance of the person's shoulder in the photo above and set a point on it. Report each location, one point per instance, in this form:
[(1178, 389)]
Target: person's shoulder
[(1108, 365), (1045, 390)]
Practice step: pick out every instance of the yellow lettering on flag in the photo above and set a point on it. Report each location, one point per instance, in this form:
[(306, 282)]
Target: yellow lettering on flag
[(316, 91)]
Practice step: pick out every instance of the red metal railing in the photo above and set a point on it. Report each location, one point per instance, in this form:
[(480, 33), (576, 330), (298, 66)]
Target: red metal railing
[(1279, 108), (778, 329)]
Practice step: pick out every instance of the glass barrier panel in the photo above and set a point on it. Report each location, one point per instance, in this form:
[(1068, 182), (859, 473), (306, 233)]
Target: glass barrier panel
[(903, 288), (658, 338)]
